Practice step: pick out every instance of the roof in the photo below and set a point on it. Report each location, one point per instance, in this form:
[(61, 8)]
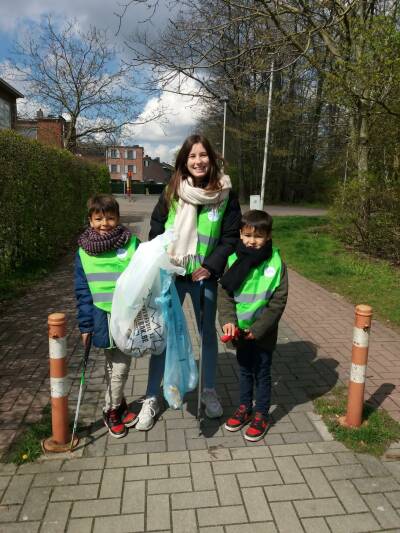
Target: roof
[(10, 89)]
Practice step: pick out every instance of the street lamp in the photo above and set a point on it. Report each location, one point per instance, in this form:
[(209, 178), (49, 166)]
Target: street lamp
[(225, 100), (267, 127)]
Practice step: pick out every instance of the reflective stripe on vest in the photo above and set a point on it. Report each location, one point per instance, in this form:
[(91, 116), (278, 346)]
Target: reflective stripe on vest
[(103, 270), (209, 222), (257, 289)]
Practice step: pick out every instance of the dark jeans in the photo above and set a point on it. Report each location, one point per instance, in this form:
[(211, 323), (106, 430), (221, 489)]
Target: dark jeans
[(254, 368)]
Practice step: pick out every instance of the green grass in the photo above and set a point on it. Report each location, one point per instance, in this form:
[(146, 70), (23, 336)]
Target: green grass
[(27, 447), (375, 434), (308, 246)]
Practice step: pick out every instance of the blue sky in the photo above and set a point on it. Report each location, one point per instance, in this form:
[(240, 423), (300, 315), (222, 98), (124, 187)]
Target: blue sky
[(160, 138)]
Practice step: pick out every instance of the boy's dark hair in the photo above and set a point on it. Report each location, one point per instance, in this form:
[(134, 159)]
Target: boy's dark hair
[(257, 219), (102, 203)]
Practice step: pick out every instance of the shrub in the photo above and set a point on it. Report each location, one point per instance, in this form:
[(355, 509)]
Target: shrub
[(43, 192)]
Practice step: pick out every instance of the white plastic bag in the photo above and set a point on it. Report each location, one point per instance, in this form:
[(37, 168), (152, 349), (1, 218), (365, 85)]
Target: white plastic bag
[(136, 322)]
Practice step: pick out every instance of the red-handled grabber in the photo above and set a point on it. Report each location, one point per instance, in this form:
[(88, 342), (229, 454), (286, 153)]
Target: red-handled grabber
[(227, 338)]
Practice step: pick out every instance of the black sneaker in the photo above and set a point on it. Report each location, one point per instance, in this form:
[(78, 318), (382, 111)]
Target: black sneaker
[(257, 429), (112, 419), (240, 418), (128, 417)]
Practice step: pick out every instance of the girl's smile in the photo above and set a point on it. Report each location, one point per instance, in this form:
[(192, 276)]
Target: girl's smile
[(198, 163)]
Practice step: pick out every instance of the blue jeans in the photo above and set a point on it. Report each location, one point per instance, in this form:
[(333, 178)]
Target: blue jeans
[(210, 345), (254, 368)]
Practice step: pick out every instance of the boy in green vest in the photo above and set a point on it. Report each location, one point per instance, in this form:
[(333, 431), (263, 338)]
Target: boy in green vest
[(250, 305), (105, 249)]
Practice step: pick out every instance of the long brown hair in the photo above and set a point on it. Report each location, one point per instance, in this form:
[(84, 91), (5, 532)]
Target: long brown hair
[(181, 170)]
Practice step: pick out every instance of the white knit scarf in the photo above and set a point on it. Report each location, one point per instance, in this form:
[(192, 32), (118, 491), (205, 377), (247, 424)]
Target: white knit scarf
[(183, 249)]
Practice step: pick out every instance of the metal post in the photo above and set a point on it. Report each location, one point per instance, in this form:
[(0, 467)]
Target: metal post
[(267, 127), (225, 100), (359, 359)]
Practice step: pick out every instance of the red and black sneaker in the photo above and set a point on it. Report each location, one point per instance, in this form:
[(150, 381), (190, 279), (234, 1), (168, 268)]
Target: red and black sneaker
[(112, 419), (240, 418), (128, 418), (257, 429)]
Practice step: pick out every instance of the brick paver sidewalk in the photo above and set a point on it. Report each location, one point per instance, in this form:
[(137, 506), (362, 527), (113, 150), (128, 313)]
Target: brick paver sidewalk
[(173, 479)]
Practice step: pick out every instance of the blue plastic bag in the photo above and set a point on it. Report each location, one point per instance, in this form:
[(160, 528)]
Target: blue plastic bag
[(180, 374)]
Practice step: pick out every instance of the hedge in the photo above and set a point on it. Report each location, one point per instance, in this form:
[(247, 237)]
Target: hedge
[(43, 194)]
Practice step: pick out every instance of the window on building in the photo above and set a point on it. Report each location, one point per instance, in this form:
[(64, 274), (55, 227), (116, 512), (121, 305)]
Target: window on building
[(114, 168), (5, 114), (114, 153), (131, 154), (146, 163), (132, 168)]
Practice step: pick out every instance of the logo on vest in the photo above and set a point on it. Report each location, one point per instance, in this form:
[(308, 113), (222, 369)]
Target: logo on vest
[(213, 214), (122, 253), (270, 272)]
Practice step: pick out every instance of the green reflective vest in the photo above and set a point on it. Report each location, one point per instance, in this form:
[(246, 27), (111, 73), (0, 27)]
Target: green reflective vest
[(103, 270), (257, 289), (209, 221)]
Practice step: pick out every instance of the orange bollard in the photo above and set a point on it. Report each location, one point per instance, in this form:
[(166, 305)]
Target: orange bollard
[(60, 440), (359, 359)]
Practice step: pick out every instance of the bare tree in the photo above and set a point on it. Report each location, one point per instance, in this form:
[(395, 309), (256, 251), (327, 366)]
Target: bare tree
[(77, 73)]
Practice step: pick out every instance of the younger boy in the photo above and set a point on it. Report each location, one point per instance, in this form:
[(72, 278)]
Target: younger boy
[(253, 300), (105, 249)]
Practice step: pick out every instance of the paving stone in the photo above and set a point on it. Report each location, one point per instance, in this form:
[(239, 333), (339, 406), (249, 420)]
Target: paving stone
[(228, 490), (259, 479), (288, 492), (211, 454), (394, 498), (383, 511), (376, 484), (212, 529), (146, 447), (285, 517), (184, 521), (248, 453), (344, 472), (56, 517), (288, 469), (176, 440), (90, 476), (158, 515), (320, 459), (315, 525), (170, 486), (90, 463), (122, 524), (168, 458), (349, 497), (146, 472), (297, 438), (346, 458), (179, 470), (318, 507), (327, 447), (20, 527), (95, 508), (124, 461), (134, 497), (289, 449), (17, 490), (194, 500), (324, 432), (111, 484), (74, 492), (355, 523), (40, 467), (373, 465), (35, 504), (317, 482), (256, 505), (80, 525), (9, 513), (4, 481), (55, 479), (202, 476), (226, 441), (222, 515), (263, 527), (233, 467), (264, 464)]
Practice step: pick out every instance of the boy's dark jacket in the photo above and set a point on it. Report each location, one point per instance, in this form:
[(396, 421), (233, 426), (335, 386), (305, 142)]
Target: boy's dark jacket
[(265, 328), (91, 319)]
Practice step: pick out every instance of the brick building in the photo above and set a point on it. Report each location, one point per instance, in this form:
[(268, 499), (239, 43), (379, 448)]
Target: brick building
[(123, 159), (156, 171), (8, 105), (51, 130)]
